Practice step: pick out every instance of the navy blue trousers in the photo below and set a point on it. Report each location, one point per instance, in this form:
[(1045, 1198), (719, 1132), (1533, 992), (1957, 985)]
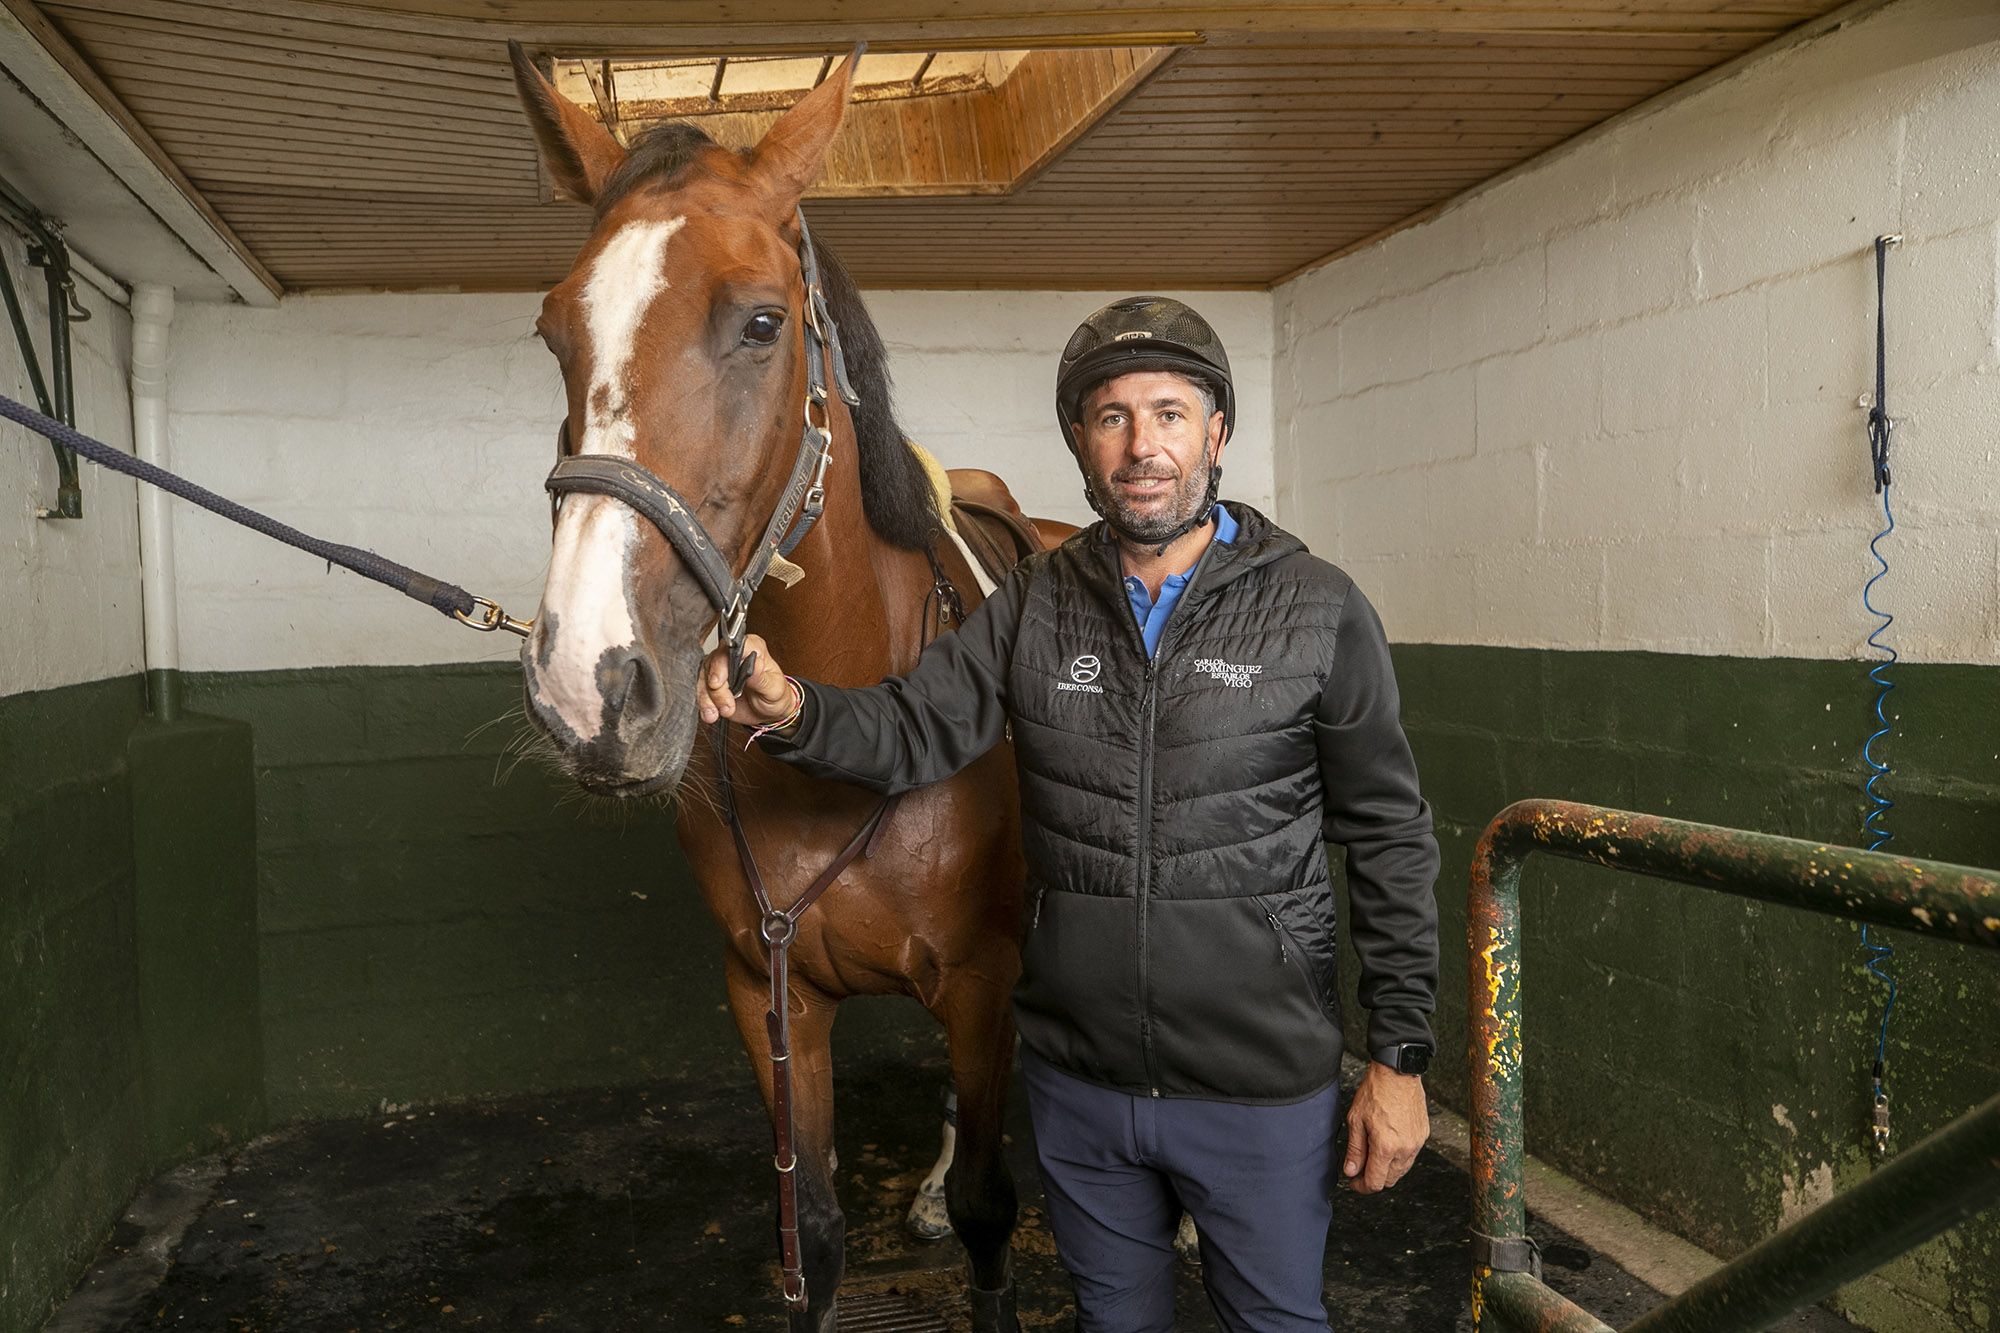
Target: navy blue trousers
[(1117, 1170)]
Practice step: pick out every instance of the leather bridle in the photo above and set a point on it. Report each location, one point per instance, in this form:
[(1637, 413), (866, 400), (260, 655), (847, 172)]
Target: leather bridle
[(799, 507)]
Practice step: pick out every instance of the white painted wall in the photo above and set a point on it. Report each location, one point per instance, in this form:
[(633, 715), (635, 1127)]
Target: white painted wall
[(422, 426), (1610, 401), (69, 601)]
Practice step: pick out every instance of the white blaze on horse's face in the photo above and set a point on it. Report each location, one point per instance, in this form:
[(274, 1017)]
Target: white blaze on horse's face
[(626, 277), (589, 584)]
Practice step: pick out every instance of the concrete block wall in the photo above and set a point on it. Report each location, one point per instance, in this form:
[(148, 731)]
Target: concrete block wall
[(1590, 439), (1611, 402), (422, 426)]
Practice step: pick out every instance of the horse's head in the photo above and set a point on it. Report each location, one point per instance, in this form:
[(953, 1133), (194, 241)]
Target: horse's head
[(679, 331)]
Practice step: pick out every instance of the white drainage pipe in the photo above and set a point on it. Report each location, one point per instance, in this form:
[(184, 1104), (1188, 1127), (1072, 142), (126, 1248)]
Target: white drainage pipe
[(152, 317)]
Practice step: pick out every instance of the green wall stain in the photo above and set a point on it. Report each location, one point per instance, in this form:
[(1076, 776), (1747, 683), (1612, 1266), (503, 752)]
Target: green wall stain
[(1698, 1056)]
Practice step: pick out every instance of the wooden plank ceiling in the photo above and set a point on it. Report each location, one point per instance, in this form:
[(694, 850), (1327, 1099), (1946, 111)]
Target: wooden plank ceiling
[(377, 143)]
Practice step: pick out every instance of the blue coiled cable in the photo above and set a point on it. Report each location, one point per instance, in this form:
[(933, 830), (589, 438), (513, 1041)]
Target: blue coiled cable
[(1879, 951), (1877, 833)]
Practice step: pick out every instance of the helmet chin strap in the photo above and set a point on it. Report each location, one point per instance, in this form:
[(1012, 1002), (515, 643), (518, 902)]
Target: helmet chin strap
[(1160, 545)]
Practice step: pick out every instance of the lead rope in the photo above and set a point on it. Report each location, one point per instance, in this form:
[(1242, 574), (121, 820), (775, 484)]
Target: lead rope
[(479, 612)]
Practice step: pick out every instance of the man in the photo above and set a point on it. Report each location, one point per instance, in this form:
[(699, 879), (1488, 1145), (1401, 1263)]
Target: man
[(1196, 702)]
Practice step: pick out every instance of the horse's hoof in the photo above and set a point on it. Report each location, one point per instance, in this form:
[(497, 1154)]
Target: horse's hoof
[(824, 1319), (929, 1219), (993, 1311), (1187, 1244)]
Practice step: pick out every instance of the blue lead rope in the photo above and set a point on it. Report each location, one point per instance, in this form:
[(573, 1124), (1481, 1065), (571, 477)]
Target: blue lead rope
[(448, 598)]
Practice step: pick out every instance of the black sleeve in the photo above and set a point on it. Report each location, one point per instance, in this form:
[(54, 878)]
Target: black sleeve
[(1374, 810), (913, 730)]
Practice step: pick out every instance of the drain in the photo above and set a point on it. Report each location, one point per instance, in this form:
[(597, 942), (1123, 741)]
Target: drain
[(886, 1312)]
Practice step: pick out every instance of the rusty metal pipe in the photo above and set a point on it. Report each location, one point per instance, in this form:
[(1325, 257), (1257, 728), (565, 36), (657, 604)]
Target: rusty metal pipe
[(1525, 1304), (1929, 897), (1949, 1177)]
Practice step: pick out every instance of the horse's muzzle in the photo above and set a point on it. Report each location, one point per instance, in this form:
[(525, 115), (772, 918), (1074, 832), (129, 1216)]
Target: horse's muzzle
[(645, 728)]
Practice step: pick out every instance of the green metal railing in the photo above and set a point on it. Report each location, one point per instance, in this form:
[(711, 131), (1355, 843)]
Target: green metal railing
[(1950, 1176), (56, 396)]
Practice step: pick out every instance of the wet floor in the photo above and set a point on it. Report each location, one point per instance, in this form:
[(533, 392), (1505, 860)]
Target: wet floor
[(650, 1208)]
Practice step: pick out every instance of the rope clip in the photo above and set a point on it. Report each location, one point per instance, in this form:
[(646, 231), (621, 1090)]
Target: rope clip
[(491, 616)]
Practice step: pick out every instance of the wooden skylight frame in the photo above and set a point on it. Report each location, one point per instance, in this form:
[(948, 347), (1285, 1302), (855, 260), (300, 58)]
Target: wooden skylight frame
[(922, 123)]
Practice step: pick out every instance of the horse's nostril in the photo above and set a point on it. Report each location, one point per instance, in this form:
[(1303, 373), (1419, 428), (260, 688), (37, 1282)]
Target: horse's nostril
[(621, 685), (643, 697), (631, 688)]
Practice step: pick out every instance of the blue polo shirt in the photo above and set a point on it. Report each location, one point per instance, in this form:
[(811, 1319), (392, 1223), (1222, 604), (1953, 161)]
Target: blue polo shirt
[(1153, 615)]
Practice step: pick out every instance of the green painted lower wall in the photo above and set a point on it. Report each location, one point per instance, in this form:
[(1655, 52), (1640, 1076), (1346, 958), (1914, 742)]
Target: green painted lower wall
[(438, 922), (73, 1122), (1698, 1057)]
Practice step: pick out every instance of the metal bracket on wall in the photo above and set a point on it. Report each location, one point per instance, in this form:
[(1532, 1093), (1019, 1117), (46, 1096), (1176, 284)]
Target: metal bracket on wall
[(55, 395)]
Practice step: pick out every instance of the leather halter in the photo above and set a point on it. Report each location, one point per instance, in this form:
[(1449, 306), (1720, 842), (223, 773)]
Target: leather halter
[(800, 506)]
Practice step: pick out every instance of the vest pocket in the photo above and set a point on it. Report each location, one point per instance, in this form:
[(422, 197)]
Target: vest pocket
[(1302, 941)]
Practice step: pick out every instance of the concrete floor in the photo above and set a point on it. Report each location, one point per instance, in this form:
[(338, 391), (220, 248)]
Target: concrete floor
[(650, 1208)]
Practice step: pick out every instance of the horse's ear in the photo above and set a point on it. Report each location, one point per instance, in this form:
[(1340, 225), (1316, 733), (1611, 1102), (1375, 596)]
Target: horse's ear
[(792, 153), (579, 153)]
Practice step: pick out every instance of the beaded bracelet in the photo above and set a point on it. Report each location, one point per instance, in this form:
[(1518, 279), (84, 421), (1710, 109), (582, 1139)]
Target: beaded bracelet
[(798, 709)]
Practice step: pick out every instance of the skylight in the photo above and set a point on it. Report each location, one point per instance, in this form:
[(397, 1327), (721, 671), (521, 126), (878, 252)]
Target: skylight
[(921, 122)]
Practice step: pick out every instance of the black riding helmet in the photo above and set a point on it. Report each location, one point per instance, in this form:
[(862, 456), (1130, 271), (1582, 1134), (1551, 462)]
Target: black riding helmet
[(1141, 333)]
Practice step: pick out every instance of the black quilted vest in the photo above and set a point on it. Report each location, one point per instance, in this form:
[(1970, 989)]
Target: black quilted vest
[(1181, 926)]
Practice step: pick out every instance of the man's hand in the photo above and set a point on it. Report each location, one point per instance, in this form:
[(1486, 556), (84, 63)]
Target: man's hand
[(1386, 1124), (766, 697)]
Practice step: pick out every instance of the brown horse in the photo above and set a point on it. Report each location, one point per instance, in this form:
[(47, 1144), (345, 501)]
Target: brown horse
[(682, 333)]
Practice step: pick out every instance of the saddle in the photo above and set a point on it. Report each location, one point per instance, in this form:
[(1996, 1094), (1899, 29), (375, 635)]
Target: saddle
[(993, 526)]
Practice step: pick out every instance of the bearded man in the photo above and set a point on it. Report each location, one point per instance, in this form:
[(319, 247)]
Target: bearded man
[(1197, 704)]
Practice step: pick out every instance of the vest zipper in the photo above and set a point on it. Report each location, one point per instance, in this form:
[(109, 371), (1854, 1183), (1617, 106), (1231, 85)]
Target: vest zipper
[(1145, 831), (1145, 879), (1040, 894), (1284, 955), (1287, 939)]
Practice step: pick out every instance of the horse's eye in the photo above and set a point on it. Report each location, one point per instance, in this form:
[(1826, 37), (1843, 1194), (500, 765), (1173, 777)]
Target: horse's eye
[(763, 328)]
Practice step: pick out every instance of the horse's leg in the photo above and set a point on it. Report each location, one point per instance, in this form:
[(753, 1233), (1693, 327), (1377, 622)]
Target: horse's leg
[(929, 1219), (822, 1228), (979, 1189)]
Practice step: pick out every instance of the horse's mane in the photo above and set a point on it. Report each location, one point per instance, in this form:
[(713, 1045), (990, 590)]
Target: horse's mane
[(895, 490)]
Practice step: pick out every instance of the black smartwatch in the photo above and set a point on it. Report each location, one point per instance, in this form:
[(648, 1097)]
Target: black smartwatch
[(1411, 1057)]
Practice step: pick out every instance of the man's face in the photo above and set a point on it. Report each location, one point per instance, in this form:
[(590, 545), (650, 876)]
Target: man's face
[(1146, 448)]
